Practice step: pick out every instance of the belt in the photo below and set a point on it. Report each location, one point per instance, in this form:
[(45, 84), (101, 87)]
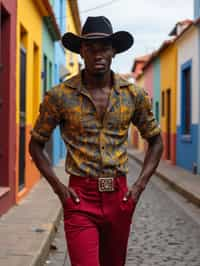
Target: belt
[(102, 184), (106, 184)]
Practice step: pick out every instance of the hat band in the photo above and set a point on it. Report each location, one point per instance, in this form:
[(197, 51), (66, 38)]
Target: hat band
[(95, 34)]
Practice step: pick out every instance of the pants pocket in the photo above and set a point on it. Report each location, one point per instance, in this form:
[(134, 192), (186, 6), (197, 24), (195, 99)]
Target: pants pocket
[(70, 204)]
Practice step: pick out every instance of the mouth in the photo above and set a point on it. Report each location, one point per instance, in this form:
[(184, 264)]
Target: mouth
[(99, 65)]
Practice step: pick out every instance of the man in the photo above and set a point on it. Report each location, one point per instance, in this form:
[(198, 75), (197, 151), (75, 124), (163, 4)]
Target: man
[(94, 110)]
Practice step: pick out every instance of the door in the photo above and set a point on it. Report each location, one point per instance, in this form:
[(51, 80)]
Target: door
[(168, 116), (22, 118), (2, 23)]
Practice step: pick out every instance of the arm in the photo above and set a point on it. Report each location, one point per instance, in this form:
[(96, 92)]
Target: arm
[(151, 161), (42, 162), (144, 120), (48, 119)]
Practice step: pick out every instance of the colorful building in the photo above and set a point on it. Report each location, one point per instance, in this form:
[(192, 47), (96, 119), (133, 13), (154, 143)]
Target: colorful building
[(60, 73), (73, 25), (139, 77), (50, 34), (168, 82), (148, 81), (152, 84), (29, 55), (197, 17), (188, 115), (156, 88), (160, 80), (8, 12)]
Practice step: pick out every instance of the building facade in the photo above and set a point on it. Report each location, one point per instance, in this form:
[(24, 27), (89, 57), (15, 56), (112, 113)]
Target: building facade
[(73, 25), (168, 81), (60, 74), (49, 37), (156, 88), (188, 99), (29, 83), (8, 14)]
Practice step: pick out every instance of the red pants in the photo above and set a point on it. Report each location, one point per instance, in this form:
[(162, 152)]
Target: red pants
[(97, 228)]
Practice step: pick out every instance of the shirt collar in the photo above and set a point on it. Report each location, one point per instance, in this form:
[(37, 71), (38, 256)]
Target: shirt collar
[(76, 82)]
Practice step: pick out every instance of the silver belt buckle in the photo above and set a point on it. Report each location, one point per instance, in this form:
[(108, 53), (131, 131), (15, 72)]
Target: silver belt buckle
[(106, 184)]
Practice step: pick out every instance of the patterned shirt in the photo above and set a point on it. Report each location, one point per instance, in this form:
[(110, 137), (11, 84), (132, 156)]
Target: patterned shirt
[(95, 147)]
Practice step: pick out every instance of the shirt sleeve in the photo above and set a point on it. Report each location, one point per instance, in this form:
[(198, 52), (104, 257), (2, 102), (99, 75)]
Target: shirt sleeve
[(48, 118), (143, 117)]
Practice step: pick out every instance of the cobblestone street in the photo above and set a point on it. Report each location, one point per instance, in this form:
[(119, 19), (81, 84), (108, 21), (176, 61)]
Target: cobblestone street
[(162, 232)]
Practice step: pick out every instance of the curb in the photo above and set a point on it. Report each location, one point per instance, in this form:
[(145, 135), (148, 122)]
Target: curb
[(177, 187), (44, 248)]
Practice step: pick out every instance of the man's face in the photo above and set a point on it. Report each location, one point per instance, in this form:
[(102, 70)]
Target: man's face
[(97, 55)]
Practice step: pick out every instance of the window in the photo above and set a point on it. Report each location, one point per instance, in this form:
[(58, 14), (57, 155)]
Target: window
[(36, 81), (157, 110), (50, 76), (44, 74), (186, 99)]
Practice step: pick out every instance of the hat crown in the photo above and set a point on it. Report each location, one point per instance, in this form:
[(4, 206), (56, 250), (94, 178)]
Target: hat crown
[(98, 24)]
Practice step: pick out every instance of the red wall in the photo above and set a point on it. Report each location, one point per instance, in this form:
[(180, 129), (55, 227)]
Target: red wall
[(8, 109), (172, 147)]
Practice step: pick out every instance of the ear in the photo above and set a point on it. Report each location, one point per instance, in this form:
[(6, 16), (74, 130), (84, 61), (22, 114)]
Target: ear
[(81, 52), (114, 53)]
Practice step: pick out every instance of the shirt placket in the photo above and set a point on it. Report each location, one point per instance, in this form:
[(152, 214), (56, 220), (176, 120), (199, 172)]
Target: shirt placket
[(102, 143), (112, 101)]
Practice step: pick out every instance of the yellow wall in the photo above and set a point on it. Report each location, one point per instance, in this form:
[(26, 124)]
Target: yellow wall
[(168, 64), (72, 58), (29, 35), (30, 20)]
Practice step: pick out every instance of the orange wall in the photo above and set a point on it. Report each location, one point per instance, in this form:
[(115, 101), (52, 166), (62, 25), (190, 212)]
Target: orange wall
[(31, 173)]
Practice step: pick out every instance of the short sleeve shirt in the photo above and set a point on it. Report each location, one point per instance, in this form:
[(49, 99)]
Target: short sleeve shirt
[(94, 147)]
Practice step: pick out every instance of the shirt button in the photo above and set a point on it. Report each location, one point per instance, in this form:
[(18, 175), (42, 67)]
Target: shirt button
[(103, 147)]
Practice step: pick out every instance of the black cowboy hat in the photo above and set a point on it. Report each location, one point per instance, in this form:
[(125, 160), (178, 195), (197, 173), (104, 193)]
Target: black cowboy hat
[(98, 28)]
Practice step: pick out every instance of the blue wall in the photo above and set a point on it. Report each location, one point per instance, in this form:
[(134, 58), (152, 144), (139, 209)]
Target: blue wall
[(187, 149), (187, 145), (156, 85), (196, 9), (59, 7)]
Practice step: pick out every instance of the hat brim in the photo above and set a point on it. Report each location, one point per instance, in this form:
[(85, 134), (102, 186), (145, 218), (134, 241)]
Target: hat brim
[(121, 41)]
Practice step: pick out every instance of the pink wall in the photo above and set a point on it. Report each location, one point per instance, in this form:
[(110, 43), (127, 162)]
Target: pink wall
[(148, 80)]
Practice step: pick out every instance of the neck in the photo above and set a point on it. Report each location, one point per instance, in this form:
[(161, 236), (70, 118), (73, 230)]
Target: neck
[(98, 81)]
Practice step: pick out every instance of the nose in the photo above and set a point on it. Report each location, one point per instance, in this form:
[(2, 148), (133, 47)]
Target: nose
[(98, 56)]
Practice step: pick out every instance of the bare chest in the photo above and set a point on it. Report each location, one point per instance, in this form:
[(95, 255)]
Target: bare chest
[(101, 101)]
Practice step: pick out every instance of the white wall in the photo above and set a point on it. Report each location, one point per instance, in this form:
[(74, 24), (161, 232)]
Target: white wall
[(187, 50)]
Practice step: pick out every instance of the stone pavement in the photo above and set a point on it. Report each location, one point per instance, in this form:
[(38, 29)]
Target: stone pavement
[(27, 229), (178, 178)]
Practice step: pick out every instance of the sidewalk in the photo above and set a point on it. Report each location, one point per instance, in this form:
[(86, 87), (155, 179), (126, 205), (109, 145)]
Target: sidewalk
[(27, 230), (179, 179)]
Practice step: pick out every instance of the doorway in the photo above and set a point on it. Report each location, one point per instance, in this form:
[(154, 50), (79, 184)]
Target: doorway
[(5, 22), (22, 118), (168, 124)]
